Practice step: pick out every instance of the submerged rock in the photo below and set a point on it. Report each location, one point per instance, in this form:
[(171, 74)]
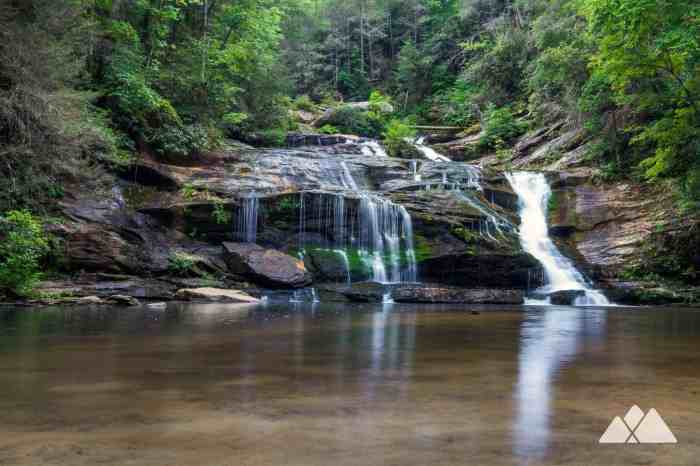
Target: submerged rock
[(561, 297), (439, 294), (123, 300), (268, 267), (365, 292), (215, 295)]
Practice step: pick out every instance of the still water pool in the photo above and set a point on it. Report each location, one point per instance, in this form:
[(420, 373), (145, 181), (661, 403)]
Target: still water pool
[(344, 385)]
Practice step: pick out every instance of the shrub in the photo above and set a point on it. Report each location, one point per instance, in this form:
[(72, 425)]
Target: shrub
[(328, 129), (220, 214), (272, 137), (304, 102), (24, 244), (397, 131), (181, 264), (351, 120), (500, 127)]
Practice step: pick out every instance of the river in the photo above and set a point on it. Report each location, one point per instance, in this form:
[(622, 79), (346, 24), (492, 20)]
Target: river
[(344, 385)]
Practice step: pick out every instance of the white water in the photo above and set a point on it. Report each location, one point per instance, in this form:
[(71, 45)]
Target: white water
[(247, 224), (560, 273), (372, 147), (428, 151)]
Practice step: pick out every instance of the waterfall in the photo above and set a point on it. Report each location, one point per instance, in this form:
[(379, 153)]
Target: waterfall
[(371, 147), (560, 273), (247, 223), (346, 178), (379, 231), (414, 171), (383, 226), (427, 151)]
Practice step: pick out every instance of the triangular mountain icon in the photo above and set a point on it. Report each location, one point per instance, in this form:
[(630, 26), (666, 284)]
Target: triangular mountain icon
[(617, 432), (638, 428), (653, 429)]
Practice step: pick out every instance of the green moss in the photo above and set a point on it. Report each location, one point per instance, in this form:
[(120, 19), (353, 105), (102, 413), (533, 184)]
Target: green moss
[(422, 248), (465, 234)]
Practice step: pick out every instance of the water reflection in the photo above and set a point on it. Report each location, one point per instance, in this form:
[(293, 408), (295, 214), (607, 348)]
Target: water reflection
[(550, 339)]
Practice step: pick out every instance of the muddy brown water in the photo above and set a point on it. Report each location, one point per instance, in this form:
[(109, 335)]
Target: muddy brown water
[(344, 385)]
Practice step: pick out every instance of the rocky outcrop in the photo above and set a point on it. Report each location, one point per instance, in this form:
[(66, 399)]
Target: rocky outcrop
[(462, 149), (268, 267), (441, 294), (215, 295), (607, 225)]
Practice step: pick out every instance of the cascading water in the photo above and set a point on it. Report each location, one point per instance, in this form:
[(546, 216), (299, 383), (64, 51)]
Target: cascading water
[(428, 151), (414, 171), (377, 230), (560, 274), (383, 226), (371, 147), (247, 223)]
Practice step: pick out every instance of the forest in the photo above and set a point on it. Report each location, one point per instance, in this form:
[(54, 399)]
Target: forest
[(90, 86)]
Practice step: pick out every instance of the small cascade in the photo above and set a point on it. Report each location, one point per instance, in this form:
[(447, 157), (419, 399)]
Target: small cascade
[(377, 231), (347, 179), (372, 148), (247, 221), (560, 273), (346, 263), (383, 227), (495, 224), (428, 151), (414, 171), (304, 295)]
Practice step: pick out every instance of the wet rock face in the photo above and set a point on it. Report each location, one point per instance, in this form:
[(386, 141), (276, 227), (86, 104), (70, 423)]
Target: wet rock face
[(441, 294), (608, 225), (485, 269), (266, 266)]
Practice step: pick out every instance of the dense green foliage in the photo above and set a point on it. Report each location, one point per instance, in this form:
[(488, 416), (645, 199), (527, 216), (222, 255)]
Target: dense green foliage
[(23, 245), (628, 71)]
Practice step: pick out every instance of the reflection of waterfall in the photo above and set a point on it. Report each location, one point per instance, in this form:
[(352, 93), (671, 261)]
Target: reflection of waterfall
[(247, 223), (534, 193), (428, 151), (549, 341)]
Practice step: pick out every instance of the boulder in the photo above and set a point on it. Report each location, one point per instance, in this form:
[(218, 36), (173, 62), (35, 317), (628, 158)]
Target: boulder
[(565, 297), (123, 300), (267, 267), (365, 292), (327, 265), (89, 300), (441, 294), (215, 295)]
